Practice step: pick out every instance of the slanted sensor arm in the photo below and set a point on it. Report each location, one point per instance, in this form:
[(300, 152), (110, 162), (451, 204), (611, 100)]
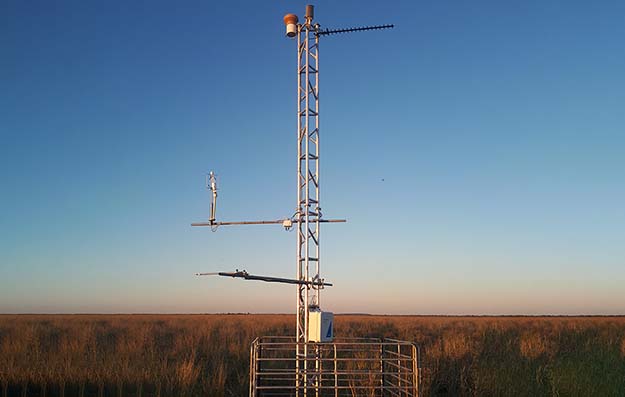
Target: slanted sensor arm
[(245, 275)]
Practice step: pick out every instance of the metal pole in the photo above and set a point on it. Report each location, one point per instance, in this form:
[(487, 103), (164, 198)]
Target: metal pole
[(253, 369), (336, 373), (306, 208), (381, 368), (399, 372), (315, 137), (300, 322), (416, 364)]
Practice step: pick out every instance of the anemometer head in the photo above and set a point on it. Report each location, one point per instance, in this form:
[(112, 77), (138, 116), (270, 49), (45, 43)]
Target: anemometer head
[(211, 181)]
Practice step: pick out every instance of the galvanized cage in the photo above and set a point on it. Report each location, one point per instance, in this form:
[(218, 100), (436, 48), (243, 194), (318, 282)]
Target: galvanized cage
[(345, 367)]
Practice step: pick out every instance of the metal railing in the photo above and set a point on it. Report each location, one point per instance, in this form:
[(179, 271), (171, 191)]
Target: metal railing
[(345, 367)]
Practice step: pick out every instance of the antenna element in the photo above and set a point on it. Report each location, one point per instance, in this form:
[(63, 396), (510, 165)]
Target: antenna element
[(328, 32)]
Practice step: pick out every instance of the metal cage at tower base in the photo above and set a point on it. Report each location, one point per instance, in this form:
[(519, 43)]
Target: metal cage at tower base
[(344, 367)]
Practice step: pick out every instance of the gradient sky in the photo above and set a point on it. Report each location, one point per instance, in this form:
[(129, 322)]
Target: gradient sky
[(477, 151)]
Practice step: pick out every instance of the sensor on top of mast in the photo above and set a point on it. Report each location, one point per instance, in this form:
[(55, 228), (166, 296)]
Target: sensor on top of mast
[(290, 20), (292, 26)]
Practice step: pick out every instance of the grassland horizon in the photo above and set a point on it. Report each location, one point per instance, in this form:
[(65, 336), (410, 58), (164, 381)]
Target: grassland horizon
[(373, 314), (208, 354)]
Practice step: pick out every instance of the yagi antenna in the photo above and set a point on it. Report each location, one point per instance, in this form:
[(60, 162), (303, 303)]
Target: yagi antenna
[(327, 32)]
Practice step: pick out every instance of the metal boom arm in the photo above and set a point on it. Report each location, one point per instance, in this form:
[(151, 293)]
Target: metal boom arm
[(275, 222), (328, 32), (245, 275)]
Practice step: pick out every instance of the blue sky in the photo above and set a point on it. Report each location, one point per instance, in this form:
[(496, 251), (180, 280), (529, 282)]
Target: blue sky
[(476, 151)]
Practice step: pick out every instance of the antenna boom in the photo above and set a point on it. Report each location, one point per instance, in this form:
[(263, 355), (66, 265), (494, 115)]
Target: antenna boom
[(245, 275), (328, 32)]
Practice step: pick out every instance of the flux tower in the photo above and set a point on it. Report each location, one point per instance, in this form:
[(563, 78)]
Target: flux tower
[(313, 325)]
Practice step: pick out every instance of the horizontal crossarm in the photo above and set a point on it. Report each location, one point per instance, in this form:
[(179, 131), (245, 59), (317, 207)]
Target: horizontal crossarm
[(276, 222)]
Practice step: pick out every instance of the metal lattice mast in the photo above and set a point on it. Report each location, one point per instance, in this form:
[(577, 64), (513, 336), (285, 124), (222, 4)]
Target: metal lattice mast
[(308, 208), (308, 215), (308, 211)]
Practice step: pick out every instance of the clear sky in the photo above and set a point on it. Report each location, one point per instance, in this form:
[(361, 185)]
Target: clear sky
[(477, 151)]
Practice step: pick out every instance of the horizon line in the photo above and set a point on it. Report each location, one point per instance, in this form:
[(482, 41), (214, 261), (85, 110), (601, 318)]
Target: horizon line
[(292, 314)]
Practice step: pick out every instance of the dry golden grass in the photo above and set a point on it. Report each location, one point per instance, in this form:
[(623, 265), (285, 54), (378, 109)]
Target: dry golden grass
[(533, 345), (208, 355)]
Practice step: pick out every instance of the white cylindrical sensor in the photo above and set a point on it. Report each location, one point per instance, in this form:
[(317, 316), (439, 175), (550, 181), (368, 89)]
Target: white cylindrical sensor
[(290, 20), (291, 30)]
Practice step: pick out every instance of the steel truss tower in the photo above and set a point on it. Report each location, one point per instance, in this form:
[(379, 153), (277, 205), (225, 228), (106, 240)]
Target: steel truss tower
[(308, 215), (308, 205)]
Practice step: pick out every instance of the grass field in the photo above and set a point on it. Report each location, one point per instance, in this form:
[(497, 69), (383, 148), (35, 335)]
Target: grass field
[(207, 355)]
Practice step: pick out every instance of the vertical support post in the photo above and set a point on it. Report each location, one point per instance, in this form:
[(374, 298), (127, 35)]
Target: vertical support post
[(253, 369), (336, 373), (318, 369), (300, 302), (382, 368), (399, 371), (416, 365)]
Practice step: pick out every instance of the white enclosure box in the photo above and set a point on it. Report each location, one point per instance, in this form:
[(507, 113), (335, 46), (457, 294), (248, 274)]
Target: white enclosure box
[(320, 326)]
